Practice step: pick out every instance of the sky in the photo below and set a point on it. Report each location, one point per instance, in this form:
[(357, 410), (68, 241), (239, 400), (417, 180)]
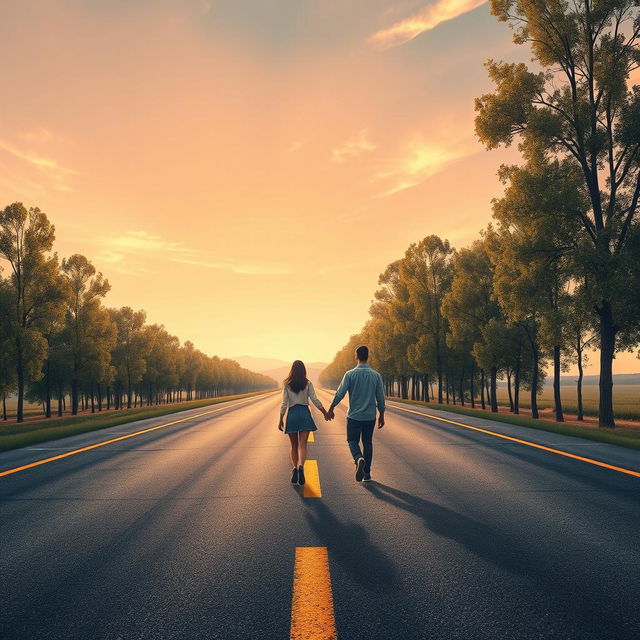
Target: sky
[(245, 170)]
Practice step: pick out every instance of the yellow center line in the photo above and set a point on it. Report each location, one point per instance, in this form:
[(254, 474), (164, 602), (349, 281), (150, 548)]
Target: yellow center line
[(311, 488), (566, 454), (37, 463), (311, 438), (312, 616)]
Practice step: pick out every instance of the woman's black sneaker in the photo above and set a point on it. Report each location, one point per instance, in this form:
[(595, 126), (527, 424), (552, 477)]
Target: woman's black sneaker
[(301, 476), (360, 469), (294, 476)]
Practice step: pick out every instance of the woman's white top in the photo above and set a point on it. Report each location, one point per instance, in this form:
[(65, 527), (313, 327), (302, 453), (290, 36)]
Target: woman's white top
[(289, 398)]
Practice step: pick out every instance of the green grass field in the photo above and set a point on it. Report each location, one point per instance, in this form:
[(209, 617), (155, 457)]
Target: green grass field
[(13, 436), (626, 400)]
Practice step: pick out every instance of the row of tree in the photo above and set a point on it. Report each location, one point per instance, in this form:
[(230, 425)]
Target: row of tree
[(558, 271), (60, 344)]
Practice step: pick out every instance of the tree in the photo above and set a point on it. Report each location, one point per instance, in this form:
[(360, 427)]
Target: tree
[(89, 335), (7, 355), (35, 288), (538, 229), (470, 303), (426, 270), (130, 350), (580, 110)]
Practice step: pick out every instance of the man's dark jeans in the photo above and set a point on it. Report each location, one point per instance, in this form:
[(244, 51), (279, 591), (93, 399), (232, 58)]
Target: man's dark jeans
[(357, 429)]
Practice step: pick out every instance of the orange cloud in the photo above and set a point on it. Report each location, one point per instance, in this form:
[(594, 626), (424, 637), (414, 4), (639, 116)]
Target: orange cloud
[(44, 164), (420, 160), (356, 145), (429, 18)]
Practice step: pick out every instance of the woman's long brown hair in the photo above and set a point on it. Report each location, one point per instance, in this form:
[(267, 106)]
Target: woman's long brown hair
[(297, 378)]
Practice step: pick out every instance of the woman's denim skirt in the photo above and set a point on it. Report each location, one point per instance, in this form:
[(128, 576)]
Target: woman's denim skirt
[(299, 419)]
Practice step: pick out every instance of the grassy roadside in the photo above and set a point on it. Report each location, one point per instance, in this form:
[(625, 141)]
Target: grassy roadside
[(629, 438), (14, 436)]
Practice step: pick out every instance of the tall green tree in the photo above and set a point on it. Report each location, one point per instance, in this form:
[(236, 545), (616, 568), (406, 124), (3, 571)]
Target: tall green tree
[(537, 238), (130, 351), (7, 357), (580, 110), (89, 339), (35, 288), (426, 270), (470, 303)]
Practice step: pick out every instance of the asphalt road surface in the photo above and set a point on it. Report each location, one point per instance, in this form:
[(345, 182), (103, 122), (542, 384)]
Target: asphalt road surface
[(192, 531)]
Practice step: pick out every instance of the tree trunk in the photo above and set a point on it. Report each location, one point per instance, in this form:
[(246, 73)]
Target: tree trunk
[(482, 402), (580, 376), (60, 400), (93, 405), (494, 384), (20, 375), (47, 411), (534, 384), (607, 351), (99, 391), (516, 389), (509, 391), (74, 396), (4, 406), (472, 381), (557, 400)]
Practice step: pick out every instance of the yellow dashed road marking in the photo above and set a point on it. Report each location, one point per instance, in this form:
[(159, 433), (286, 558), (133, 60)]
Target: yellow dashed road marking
[(311, 438), (311, 488), (312, 616)]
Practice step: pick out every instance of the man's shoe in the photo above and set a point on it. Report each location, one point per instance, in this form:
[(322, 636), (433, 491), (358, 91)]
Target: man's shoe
[(301, 479), (294, 476), (360, 469), (367, 477)]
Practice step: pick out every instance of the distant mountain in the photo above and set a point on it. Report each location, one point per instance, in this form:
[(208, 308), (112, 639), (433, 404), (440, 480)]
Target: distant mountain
[(314, 370), (260, 365), (278, 369)]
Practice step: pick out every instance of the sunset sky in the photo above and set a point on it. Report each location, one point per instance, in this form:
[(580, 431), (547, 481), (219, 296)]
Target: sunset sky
[(243, 170)]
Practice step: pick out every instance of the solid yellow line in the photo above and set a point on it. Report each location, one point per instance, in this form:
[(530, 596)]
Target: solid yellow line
[(311, 438), (311, 487), (573, 456), (312, 616), (37, 463)]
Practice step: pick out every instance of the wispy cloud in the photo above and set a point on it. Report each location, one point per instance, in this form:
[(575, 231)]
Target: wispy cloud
[(354, 146), (296, 145), (144, 241), (425, 20), (418, 161), (123, 252), (235, 267), (44, 164)]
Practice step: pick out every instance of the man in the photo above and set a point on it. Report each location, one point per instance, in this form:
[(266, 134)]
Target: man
[(365, 393)]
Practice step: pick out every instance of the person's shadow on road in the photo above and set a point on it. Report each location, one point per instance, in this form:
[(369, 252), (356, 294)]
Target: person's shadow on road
[(479, 538), (350, 546)]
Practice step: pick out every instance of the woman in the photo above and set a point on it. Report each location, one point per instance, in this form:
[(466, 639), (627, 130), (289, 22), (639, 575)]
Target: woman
[(297, 392)]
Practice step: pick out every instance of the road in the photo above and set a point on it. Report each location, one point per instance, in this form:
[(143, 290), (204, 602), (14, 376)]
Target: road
[(191, 531)]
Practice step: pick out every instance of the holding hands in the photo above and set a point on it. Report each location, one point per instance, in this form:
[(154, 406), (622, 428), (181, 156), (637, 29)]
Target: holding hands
[(328, 415)]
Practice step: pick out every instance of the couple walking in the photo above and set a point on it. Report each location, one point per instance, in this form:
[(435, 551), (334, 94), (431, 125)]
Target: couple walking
[(366, 393)]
